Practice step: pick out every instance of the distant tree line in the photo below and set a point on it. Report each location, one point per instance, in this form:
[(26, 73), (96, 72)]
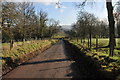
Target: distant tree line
[(21, 22)]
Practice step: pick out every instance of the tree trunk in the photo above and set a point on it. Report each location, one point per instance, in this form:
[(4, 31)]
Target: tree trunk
[(96, 43), (81, 40), (118, 28), (77, 39), (88, 42), (90, 37), (11, 44), (111, 26)]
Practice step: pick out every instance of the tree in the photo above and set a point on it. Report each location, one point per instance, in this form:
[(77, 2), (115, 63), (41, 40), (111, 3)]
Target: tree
[(86, 23), (8, 21), (53, 27), (42, 23), (111, 26), (25, 10), (103, 27)]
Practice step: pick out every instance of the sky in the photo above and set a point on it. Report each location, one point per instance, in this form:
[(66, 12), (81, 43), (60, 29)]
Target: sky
[(67, 14)]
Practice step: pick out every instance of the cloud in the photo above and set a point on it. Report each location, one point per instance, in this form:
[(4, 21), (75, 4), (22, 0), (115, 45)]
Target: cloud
[(46, 3), (61, 10), (55, 5), (63, 7), (60, 7)]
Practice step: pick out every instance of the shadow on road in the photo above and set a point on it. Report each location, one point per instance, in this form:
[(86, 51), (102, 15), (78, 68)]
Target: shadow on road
[(84, 67), (46, 61), (53, 68)]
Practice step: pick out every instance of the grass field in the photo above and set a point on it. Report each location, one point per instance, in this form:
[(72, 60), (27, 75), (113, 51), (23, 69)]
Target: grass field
[(105, 41), (102, 54), (59, 35)]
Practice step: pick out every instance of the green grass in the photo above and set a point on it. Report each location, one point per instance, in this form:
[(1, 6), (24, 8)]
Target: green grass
[(6, 46), (105, 41), (59, 35), (104, 52)]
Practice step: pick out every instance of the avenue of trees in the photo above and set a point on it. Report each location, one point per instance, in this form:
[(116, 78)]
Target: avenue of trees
[(21, 22), (88, 26)]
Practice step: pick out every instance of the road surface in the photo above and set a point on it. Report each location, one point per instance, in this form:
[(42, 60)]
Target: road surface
[(50, 64)]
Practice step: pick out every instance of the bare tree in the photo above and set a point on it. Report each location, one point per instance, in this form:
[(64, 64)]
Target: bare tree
[(111, 26), (42, 23), (8, 20)]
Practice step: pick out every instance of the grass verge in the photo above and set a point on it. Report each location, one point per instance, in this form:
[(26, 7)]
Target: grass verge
[(109, 64)]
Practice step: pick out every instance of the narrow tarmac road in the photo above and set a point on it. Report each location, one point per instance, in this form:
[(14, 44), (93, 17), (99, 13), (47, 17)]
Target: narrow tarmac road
[(62, 60), (50, 64)]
